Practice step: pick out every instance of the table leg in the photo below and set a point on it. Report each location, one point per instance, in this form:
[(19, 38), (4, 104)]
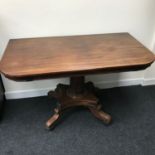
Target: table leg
[(78, 93)]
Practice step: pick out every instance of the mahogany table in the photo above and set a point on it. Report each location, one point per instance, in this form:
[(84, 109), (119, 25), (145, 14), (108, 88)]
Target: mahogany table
[(74, 57)]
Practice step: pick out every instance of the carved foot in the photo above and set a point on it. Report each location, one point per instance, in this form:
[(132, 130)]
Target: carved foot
[(101, 115), (50, 124)]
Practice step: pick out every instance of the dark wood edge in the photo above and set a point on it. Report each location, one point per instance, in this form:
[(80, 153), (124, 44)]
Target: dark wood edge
[(2, 84), (2, 100), (77, 73)]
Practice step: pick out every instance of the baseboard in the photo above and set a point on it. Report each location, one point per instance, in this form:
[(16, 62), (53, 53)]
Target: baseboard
[(27, 93), (101, 84), (119, 83), (147, 82)]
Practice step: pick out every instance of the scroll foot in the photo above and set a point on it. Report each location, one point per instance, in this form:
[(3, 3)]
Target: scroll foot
[(101, 115), (50, 124)]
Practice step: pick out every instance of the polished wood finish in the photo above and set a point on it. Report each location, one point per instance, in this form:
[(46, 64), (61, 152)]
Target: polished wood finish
[(78, 93), (74, 56), (26, 59)]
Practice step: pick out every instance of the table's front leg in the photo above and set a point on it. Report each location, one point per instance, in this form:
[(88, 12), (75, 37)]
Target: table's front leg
[(50, 124)]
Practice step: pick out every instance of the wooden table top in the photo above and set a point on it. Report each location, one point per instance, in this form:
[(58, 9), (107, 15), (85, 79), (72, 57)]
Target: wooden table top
[(69, 55)]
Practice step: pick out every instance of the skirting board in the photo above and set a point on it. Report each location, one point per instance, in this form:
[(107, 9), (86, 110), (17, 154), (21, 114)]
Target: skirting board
[(101, 84)]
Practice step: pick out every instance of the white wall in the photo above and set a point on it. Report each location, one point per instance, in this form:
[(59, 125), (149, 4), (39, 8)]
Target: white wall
[(150, 72), (34, 18)]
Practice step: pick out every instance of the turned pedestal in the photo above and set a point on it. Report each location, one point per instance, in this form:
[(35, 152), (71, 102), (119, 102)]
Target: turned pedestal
[(77, 93)]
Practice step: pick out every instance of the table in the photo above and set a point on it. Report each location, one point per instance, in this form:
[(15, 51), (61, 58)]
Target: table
[(74, 57)]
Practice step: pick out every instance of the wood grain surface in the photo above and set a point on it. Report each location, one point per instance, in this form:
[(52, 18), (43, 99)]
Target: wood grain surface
[(64, 56)]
